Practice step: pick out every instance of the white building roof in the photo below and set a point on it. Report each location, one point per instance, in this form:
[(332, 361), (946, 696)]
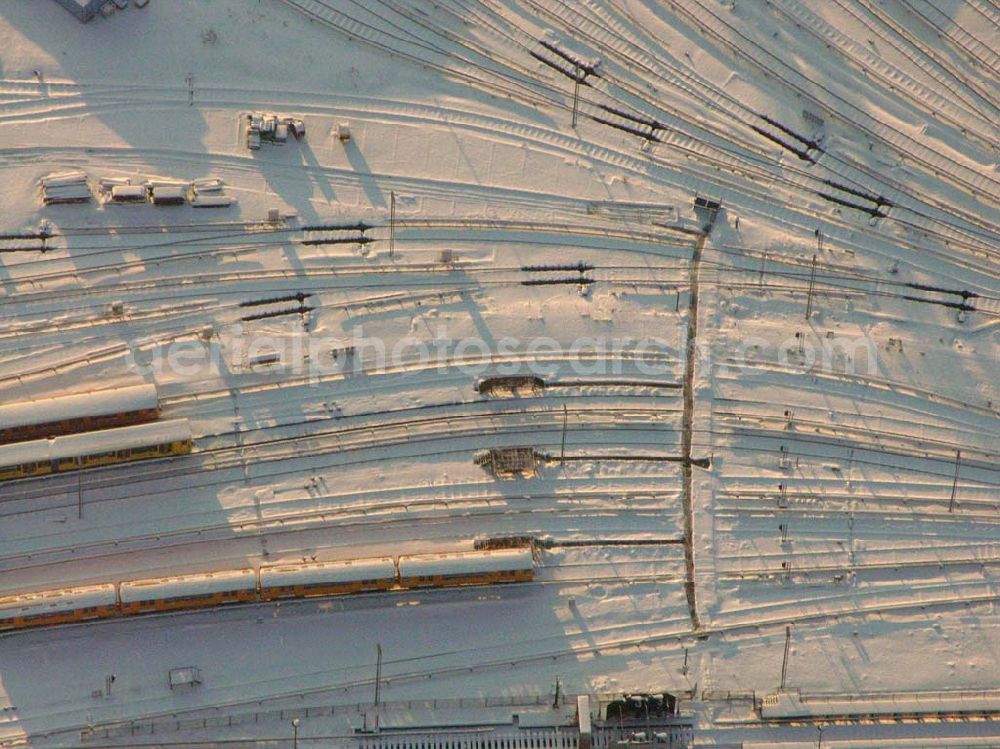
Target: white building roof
[(466, 562), (382, 568), (170, 192), (184, 586), (78, 406), (128, 192)]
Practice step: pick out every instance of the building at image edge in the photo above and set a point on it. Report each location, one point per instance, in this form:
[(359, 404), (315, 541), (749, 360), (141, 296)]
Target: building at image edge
[(84, 10)]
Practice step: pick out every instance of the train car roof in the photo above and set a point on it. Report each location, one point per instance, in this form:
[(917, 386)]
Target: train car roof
[(78, 406), (19, 453), (380, 568), (465, 562), (184, 586), (55, 601), (123, 438)]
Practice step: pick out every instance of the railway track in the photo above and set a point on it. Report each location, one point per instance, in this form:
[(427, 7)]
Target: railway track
[(940, 105), (873, 384), (709, 95), (884, 439), (430, 514), (743, 47), (477, 409), (762, 195), (373, 436), (676, 635)]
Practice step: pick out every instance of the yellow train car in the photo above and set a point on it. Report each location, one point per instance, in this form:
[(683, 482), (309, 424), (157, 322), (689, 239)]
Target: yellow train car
[(188, 591), (51, 607), (110, 446), (93, 449), (466, 568), (273, 582), (25, 459), (327, 578)]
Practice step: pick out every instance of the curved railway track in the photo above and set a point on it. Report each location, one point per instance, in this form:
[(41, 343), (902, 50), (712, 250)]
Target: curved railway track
[(349, 518), (676, 634), (373, 436)]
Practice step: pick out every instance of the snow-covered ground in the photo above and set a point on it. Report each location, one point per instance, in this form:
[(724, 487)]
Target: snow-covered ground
[(763, 422)]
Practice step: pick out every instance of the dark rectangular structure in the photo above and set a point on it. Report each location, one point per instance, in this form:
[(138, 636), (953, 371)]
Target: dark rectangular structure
[(84, 10)]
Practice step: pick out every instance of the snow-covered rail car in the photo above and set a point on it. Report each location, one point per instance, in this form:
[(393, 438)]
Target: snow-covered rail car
[(108, 446), (90, 450), (466, 568), (327, 578), (791, 705), (80, 412), (128, 194), (58, 606), (169, 195), (188, 591), (25, 459)]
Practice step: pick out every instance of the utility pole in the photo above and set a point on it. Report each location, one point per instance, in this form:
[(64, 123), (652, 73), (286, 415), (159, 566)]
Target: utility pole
[(684, 668), (392, 223), (784, 660), (378, 674), (562, 449), (649, 730), (812, 284), (954, 483), (576, 91), (555, 702)]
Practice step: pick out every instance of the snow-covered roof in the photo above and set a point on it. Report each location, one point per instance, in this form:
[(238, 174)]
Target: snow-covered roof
[(466, 562), (19, 453), (77, 406), (128, 192), (169, 192), (93, 443), (382, 568), (184, 586), (52, 601), (124, 438)]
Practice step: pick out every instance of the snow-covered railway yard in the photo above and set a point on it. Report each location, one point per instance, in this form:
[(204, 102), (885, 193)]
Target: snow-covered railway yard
[(743, 255)]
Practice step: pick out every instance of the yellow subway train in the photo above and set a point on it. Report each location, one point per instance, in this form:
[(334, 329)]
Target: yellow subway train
[(75, 452), (269, 583)]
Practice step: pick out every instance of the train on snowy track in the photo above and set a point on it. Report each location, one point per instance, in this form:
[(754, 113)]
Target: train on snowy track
[(82, 412), (269, 583), (74, 452)]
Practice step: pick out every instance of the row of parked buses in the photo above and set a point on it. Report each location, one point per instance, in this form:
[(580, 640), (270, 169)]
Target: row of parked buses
[(87, 430), (269, 583)]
